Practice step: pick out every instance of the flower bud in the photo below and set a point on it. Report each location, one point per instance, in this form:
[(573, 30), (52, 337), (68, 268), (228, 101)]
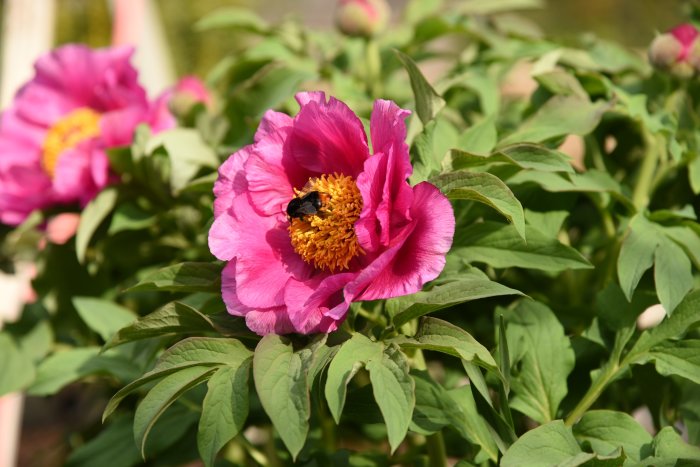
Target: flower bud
[(186, 93), (677, 51), (362, 18)]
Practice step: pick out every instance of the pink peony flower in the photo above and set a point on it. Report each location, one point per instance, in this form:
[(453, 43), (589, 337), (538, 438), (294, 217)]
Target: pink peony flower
[(309, 221), (53, 137)]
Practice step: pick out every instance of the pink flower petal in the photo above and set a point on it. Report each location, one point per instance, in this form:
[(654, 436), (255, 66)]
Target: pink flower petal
[(419, 256), (273, 320), (265, 259), (386, 197), (43, 105), (221, 237), (328, 138), (231, 181), (271, 174), (261, 321), (310, 302), (271, 123), (304, 98), (388, 128), (62, 227), (72, 178), (117, 127)]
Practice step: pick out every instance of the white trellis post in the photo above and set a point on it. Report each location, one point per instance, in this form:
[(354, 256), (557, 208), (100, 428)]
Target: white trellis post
[(27, 32)]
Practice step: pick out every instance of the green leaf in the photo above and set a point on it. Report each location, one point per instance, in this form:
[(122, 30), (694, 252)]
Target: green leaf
[(163, 394), (607, 430), (92, 216), (203, 350), (428, 102), (538, 343), (450, 294), (232, 17), (270, 86), (501, 246), (548, 223), (525, 155), (187, 152), (441, 336), (683, 318), (352, 355), (393, 390), (224, 410), (672, 274), (669, 445), (689, 409), (70, 365), (62, 368), (172, 318), (183, 277), (281, 383), (559, 116), (688, 239), (113, 446), (434, 409), (128, 216), (38, 342), (680, 358), (479, 139), (489, 7), (475, 428), (636, 254), (591, 181), (562, 82), (103, 316), (16, 368), (483, 188), (549, 444), (193, 351), (694, 174), (430, 148)]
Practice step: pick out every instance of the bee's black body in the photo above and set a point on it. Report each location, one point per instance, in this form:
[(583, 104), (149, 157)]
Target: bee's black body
[(307, 205)]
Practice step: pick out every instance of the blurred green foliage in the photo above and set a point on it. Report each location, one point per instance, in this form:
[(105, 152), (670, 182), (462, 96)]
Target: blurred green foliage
[(631, 22)]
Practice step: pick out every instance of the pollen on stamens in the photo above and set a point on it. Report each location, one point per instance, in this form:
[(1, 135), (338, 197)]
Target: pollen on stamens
[(327, 239), (79, 125)]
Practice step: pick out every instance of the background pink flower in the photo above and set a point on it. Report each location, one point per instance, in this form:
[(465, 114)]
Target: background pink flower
[(53, 137), (374, 236)]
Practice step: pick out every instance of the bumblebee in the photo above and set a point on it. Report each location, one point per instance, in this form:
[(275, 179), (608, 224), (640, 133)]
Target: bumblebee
[(308, 205)]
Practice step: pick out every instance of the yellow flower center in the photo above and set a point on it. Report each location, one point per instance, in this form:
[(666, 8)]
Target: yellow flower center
[(66, 133), (327, 238)]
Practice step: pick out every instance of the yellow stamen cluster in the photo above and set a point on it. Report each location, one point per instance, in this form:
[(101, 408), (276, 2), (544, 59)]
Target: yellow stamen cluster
[(327, 239), (68, 132)]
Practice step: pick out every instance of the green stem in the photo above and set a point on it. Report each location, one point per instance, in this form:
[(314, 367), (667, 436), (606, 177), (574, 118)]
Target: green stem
[(372, 317), (596, 389), (374, 68), (436, 450), (327, 429), (642, 190), (615, 366)]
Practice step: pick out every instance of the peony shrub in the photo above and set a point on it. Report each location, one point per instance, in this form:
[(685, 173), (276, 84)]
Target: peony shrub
[(332, 253)]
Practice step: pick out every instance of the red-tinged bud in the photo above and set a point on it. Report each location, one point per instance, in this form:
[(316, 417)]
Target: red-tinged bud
[(362, 18), (186, 93), (677, 51)]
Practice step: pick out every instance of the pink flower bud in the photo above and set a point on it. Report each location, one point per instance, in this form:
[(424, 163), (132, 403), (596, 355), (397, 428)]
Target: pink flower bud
[(363, 18), (189, 91), (677, 51)]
